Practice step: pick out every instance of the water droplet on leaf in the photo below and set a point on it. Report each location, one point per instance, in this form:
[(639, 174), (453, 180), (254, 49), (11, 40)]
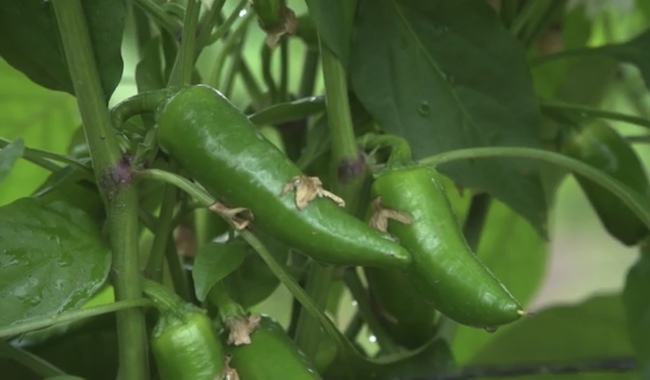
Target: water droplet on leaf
[(424, 109)]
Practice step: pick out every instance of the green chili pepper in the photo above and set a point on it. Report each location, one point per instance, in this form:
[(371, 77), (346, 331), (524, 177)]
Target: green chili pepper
[(224, 152), (271, 355), (444, 269), (600, 146), (403, 313), (183, 342)]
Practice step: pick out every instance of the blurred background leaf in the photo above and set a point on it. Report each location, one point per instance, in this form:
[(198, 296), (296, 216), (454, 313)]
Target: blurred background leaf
[(43, 118), (564, 334)]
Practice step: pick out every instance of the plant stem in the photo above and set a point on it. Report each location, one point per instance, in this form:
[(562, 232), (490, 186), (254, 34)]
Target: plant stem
[(400, 150), (123, 230), (252, 87), (308, 328), (114, 176), (348, 164), (587, 112), (233, 39), (354, 327), (570, 53), (284, 70), (475, 220), (159, 14), (267, 74), (309, 71), (530, 8), (207, 24), (233, 70), (508, 11), (178, 274), (164, 299), (360, 294), (29, 360), (225, 27), (182, 183), (162, 235), (184, 64), (545, 9), (43, 159), (226, 306), (349, 176), (145, 102)]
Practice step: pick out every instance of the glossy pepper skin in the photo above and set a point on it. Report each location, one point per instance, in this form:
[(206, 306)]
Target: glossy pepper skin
[(600, 146), (271, 355), (407, 318), (186, 347), (226, 154), (444, 269)]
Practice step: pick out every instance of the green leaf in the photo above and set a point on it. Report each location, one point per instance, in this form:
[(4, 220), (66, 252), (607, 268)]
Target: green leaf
[(334, 21), (29, 41), (594, 329), (637, 307), (9, 155), (44, 119), (52, 258), (149, 71), (507, 242), (253, 282), (290, 111), (446, 75), (213, 262)]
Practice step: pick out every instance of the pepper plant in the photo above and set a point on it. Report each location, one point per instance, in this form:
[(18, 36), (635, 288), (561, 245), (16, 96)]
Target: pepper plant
[(342, 189)]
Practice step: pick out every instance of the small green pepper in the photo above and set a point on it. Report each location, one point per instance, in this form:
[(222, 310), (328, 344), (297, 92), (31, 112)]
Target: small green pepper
[(183, 341), (224, 152), (444, 269), (271, 355), (407, 318), (600, 146)]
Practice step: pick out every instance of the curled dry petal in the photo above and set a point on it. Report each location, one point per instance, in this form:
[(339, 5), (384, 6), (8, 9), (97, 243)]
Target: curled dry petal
[(242, 328), (232, 214), (307, 189), (381, 215), (228, 373), (288, 26)]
